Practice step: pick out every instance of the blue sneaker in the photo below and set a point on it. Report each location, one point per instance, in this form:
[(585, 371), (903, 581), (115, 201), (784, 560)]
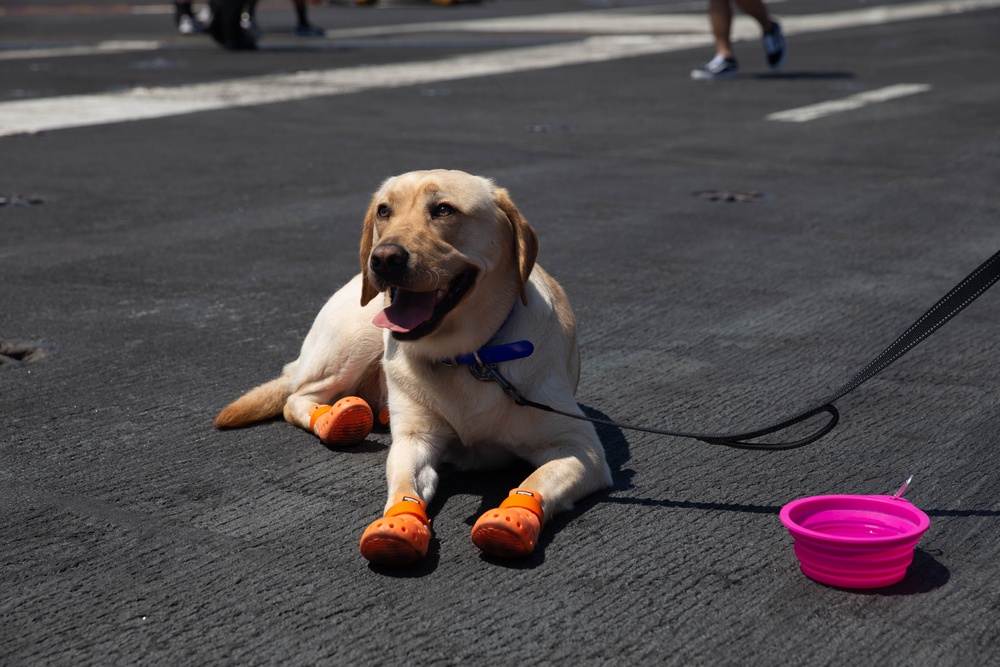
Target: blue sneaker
[(774, 47)]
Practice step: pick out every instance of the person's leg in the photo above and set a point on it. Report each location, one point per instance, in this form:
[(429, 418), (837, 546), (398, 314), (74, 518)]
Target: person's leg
[(301, 14), (774, 40), (182, 8), (758, 11), (303, 28), (187, 24), (723, 65), (720, 15)]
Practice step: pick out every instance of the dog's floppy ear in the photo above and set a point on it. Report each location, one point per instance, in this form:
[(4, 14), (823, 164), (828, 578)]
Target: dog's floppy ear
[(525, 239), (368, 291)]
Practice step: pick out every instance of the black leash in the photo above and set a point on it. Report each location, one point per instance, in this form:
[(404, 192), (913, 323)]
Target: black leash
[(951, 304)]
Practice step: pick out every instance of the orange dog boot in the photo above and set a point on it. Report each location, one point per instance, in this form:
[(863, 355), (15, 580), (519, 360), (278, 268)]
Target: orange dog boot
[(511, 530), (346, 422), (399, 537)]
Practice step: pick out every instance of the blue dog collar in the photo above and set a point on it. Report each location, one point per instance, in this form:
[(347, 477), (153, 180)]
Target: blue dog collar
[(495, 354)]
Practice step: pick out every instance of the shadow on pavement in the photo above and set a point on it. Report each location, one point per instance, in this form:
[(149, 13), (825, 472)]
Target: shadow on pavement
[(804, 75)]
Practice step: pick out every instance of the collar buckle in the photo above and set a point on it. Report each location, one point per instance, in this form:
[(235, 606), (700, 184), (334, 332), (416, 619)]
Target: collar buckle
[(489, 373)]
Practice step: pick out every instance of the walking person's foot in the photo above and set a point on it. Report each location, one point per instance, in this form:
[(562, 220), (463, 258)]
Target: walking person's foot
[(719, 67), (774, 46)]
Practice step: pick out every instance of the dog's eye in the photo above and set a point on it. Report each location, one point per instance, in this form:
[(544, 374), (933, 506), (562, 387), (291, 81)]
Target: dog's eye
[(442, 210), (382, 211)]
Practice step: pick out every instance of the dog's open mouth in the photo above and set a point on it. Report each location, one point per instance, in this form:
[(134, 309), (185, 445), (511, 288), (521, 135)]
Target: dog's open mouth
[(413, 315)]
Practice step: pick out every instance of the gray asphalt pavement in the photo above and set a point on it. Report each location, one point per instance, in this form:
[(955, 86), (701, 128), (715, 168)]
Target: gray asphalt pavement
[(152, 269)]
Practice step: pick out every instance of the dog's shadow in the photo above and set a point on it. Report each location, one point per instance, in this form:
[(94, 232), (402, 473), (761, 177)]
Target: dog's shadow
[(493, 486), (924, 575)]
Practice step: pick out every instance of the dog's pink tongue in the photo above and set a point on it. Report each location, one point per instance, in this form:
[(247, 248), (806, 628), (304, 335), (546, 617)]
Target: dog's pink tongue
[(408, 311)]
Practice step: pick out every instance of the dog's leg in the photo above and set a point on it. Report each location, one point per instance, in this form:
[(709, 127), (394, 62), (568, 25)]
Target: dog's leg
[(340, 410), (564, 475), (337, 379), (402, 535)]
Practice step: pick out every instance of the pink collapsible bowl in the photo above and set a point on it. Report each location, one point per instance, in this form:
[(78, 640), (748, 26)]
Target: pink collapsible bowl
[(854, 541)]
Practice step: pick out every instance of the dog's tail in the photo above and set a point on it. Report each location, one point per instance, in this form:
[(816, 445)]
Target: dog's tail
[(264, 402)]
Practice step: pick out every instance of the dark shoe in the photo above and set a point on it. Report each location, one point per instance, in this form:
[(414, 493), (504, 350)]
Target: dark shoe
[(307, 30), (774, 47), (718, 67)]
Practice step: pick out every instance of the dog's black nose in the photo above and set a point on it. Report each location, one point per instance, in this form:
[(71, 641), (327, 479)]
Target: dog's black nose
[(389, 260)]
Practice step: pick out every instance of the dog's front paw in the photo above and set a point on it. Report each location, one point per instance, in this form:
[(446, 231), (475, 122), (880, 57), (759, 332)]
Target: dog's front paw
[(400, 537), (511, 530), (346, 422)]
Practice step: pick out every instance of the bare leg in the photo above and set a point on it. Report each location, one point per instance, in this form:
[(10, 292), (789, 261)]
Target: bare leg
[(756, 10), (720, 16)]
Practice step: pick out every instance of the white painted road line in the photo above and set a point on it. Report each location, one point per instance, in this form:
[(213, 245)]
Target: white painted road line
[(54, 113), (46, 114), (114, 46), (823, 109), (633, 22)]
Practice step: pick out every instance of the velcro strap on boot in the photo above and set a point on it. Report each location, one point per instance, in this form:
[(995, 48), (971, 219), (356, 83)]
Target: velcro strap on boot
[(318, 412), (409, 505), (529, 500)]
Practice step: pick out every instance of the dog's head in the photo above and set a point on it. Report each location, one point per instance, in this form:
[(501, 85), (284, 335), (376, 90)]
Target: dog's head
[(452, 252)]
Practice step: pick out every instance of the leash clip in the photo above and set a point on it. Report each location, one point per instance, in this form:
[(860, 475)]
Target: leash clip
[(488, 373)]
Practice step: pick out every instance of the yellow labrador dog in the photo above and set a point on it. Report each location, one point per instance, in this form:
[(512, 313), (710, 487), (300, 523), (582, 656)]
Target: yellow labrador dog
[(454, 263)]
